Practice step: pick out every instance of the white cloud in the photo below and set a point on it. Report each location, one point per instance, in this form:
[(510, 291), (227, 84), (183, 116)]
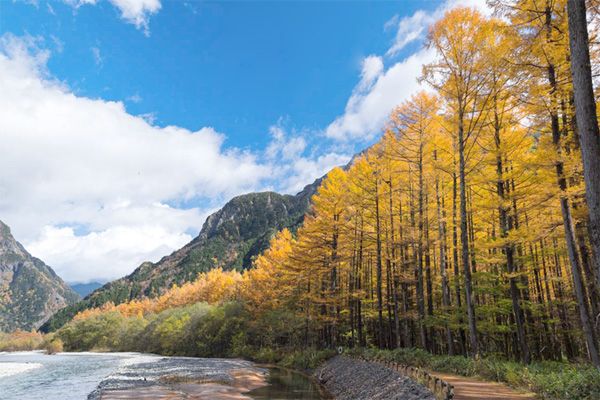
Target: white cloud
[(304, 170), (282, 146), (409, 29), (59, 46), (136, 98), (136, 12), (149, 117), (368, 108), (380, 90), (292, 167), (50, 9), (108, 252), (97, 56), (372, 67), (79, 3), (70, 161)]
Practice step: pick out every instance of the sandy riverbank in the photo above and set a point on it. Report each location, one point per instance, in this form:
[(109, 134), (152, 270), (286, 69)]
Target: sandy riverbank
[(177, 378)]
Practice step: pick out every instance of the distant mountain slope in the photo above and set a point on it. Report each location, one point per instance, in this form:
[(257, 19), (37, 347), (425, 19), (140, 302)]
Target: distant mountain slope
[(83, 289), (30, 291), (229, 238)]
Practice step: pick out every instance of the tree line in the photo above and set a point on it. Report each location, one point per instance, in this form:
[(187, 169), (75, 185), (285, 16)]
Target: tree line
[(471, 226)]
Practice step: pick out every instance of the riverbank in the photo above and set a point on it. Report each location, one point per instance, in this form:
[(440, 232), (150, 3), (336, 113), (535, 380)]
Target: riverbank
[(179, 378), (351, 379), (182, 377)]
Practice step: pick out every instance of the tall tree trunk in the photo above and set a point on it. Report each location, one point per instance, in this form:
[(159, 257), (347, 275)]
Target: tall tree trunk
[(585, 115), (443, 273), (362, 342), (562, 309), (428, 282), (509, 248), (549, 297), (404, 257), (379, 266), (464, 238), (420, 255), (566, 209), (586, 264), (457, 289), (394, 266)]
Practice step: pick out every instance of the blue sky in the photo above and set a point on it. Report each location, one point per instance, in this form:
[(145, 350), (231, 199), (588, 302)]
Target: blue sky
[(127, 122), (235, 66)]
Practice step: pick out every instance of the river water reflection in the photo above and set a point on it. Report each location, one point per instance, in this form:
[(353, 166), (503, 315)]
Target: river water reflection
[(286, 385)]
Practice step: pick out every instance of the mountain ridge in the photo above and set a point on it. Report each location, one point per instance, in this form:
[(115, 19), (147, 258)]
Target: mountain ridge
[(30, 291), (83, 289), (230, 238)]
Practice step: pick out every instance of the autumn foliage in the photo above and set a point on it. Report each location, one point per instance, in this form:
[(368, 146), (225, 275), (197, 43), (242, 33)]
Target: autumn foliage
[(211, 287)]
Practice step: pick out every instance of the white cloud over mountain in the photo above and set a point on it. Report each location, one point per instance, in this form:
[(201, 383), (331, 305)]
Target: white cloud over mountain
[(104, 252), (74, 161), (292, 167), (85, 185)]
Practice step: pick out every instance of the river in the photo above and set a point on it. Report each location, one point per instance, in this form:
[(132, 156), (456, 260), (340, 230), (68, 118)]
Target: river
[(74, 376)]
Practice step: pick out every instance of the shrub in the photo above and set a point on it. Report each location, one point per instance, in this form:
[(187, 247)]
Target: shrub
[(102, 331), (306, 359), (20, 341), (213, 334), (454, 364), (240, 346), (53, 346), (168, 332), (574, 382), (267, 355)]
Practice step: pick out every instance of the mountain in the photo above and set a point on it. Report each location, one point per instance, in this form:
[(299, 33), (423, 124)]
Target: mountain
[(83, 289), (230, 238), (30, 291)]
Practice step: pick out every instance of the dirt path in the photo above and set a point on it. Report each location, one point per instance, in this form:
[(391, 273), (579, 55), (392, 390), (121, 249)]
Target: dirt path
[(473, 389)]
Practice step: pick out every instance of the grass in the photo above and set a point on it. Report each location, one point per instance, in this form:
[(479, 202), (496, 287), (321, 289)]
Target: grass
[(550, 380), (301, 360)]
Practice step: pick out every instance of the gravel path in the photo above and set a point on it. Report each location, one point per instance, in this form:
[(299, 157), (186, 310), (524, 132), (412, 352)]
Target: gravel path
[(350, 379)]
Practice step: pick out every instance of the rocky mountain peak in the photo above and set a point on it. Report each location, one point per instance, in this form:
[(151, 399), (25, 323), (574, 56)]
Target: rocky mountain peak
[(30, 291), (8, 244)]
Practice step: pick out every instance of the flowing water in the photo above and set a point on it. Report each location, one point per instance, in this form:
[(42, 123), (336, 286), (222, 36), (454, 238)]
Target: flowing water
[(68, 376), (72, 376)]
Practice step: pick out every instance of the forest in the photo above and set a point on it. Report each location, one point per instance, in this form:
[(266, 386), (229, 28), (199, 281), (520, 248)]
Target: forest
[(470, 231)]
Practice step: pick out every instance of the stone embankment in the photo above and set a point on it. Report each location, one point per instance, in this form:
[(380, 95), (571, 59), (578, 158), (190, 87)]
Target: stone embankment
[(352, 379)]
